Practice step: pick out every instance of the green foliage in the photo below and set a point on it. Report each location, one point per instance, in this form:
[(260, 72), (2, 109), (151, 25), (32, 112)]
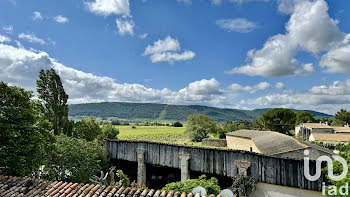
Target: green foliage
[(124, 181), (211, 185), (108, 132), (304, 117), (229, 126), (87, 128), (151, 111), (23, 138), (243, 185), (18, 119), (200, 126), (341, 118), (54, 99), (338, 168), (74, 160), (178, 124), (279, 119)]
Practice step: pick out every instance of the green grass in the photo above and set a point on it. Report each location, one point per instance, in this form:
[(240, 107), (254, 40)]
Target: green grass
[(165, 134)]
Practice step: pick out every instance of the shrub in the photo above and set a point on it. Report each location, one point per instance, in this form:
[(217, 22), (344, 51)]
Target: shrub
[(211, 185), (133, 127), (109, 132), (177, 124), (243, 185)]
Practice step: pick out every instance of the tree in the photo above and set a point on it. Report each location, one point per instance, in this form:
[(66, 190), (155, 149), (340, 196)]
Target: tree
[(279, 119), (74, 160), (178, 124), (108, 131), (23, 138), (87, 128), (341, 118), (200, 126), (54, 98), (304, 117)]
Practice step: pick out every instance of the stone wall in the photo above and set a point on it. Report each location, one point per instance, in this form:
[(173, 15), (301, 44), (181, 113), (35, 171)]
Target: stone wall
[(214, 142), (240, 143), (269, 190)]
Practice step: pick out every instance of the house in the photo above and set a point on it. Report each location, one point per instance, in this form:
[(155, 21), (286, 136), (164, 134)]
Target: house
[(322, 132), (273, 144)]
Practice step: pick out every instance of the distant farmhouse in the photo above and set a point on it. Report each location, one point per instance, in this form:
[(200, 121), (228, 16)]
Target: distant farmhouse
[(273, 144), (322, 132)]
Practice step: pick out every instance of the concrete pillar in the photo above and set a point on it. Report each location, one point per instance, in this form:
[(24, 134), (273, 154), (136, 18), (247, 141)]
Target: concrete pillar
[(141, 166), (242, 166), (184, 166)]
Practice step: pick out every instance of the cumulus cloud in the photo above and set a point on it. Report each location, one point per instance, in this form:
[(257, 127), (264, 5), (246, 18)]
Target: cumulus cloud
[(20, 67), (309, 28), (61, 19), (252, 89), (279, 85), (143, 36), (324, 98), (109, 7), (167, 50), (240, 25), (125, 26), (31, 38), (338, 58), (37, 16), (4, 39), (8, 29)]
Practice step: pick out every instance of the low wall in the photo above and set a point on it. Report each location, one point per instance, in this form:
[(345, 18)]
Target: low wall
[(269, 190), (214, 142)]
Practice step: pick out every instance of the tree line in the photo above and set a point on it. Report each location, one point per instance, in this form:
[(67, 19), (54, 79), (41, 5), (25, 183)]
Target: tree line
[(200, 126)]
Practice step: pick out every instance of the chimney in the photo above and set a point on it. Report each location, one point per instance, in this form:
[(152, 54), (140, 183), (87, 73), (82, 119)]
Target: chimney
[(327, 123), (320, 123)]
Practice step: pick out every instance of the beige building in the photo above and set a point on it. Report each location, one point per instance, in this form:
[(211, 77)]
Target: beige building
[(273, 144), (322, 132)]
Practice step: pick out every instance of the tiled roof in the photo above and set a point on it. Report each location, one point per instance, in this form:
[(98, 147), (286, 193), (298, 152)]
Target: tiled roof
[(334, 137), (317, 125), (270, 142), (344, 129), (26, 187)]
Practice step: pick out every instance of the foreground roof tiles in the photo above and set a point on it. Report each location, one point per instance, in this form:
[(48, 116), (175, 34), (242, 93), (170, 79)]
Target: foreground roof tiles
[(27, 187)]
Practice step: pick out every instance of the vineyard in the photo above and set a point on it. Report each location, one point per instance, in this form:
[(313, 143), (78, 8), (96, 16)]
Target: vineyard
[(165, 134)]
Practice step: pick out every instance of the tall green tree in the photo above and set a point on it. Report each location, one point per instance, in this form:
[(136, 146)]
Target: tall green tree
[(304, 117), (54, 99), (87, 128), (200, 126), (341, 118), (279, 119), (23, 138)]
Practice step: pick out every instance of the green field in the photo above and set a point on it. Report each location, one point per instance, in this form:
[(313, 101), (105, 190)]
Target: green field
[(165, 134)]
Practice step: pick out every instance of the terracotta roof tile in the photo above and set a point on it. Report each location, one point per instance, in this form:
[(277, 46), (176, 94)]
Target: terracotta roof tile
[(26, 187)]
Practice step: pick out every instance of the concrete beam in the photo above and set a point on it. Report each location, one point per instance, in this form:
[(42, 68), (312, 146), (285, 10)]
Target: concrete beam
[(184, 166), (141, 166), (242, 167)]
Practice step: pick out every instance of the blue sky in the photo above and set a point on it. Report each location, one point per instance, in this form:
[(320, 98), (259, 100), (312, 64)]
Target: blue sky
[(231, 53)]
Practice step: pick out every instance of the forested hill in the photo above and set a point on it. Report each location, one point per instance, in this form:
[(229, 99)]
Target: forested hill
[(163, 112)]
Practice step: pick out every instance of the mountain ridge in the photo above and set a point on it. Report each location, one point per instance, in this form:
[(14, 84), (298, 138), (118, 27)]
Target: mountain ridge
[(165, 112)]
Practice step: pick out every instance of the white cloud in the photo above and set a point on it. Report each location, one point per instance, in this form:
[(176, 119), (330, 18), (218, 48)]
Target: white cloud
[(309, 28), (61, 19), (241, 25), (143, 36), (4, 39), (31, 38), (338, 58), (125, 26), (8, 29), (186, 2), (167, 51), (279, 85), (252, 89), (37, 16), (21, 67), (109, 7)]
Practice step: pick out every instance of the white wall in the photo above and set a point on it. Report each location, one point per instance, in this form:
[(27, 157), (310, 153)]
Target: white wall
[(269, 190)]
